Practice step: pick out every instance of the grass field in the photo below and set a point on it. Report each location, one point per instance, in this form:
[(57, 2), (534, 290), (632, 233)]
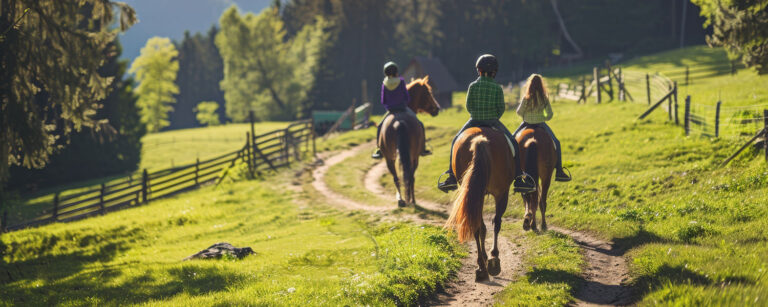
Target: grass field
[(306, 253), (696, 232)]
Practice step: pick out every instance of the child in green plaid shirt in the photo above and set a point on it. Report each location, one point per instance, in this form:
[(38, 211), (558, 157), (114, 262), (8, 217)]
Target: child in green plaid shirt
[(485, 104)]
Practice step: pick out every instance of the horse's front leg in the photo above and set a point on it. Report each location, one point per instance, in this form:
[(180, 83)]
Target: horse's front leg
[(494, 264), (393, 170)]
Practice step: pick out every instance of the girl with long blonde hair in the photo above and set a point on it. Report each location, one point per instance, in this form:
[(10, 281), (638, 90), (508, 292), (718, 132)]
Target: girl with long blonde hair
[(536, 110)]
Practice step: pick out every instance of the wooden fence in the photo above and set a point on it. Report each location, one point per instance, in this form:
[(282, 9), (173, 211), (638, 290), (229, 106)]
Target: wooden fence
[(261, 153)]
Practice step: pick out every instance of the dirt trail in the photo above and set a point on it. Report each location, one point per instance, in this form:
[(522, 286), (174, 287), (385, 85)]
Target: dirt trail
[(463, 291), (604, 276), (606, 272)]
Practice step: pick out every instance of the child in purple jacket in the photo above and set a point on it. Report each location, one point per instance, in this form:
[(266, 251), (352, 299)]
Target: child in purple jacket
[(394, 97)]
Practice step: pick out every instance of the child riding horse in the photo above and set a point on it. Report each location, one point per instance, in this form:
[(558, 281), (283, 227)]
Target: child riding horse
[(395, 98), (485, 103)]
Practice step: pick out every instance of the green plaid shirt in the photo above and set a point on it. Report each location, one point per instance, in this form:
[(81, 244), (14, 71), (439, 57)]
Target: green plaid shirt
[(485, 99)]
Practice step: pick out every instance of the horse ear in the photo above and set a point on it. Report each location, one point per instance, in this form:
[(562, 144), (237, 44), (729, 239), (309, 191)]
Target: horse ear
[(426, 79), (412, 79)]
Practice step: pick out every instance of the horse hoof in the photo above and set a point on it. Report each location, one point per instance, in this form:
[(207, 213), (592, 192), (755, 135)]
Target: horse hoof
[(494, 266), (526, 224), (401, 203), (481, 276), (544, 227)]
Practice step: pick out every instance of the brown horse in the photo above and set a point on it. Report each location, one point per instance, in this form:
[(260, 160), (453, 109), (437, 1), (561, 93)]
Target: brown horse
[(537, 158), (402, 133), (483, 163)]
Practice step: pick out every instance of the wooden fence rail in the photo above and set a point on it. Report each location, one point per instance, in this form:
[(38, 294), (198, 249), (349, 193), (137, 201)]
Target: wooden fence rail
[(268, 151)]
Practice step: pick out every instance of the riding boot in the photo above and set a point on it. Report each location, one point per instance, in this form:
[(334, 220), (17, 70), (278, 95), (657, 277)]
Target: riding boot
[(560, 175), (377, 153), (523, 182), (449, 184)]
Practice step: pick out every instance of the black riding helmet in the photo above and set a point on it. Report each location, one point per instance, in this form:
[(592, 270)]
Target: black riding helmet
[(390, 69), (487, 63)]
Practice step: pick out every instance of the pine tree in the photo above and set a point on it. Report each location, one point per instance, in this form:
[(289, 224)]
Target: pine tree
[(50, 54), (155, 71), (741, 26)]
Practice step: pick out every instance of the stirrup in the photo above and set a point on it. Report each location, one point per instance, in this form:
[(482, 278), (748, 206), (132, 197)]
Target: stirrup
[(527, 178), (565, 169)]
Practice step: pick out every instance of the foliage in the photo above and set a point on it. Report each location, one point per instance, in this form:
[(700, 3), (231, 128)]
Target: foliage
[(155, 71), (206, 113), (200, 71), (263, 71), (741, 26), (48, 92), (92, 154)]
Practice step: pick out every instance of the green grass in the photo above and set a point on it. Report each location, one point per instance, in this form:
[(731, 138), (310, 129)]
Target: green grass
[(306, 253), (697, 233)]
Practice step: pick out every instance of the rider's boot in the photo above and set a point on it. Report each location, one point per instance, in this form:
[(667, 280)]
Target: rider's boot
[(425, 152), (561, 176), (524, 184), (449, 184), (376, 154)]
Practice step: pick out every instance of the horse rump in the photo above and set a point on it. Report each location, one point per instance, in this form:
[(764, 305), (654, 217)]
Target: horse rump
[(467, 213)]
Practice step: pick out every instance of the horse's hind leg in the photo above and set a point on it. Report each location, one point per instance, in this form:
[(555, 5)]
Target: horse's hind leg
[(543, 200), (393, 170), (482, 272), (494, 264)]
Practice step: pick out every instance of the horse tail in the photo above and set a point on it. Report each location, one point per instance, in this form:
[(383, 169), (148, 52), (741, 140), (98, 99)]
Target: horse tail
[(404, 149), (467, 214)]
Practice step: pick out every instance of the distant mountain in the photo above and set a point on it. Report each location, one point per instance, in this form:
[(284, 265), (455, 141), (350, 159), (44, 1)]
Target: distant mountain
[(170, 18)]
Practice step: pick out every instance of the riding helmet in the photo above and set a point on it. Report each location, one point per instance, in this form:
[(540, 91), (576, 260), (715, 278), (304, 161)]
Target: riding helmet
[(390, 69), (487, 63)]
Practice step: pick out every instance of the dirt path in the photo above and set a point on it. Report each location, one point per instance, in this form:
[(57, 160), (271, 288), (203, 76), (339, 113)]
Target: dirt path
[(606, 272), (463, 291), (604, 276)]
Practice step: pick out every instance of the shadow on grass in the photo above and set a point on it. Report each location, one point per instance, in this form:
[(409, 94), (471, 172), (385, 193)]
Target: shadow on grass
[(109, 286), (643, 285), (641, 237)]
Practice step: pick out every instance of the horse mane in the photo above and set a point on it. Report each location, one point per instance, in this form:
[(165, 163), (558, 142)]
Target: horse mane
[(421, 81)]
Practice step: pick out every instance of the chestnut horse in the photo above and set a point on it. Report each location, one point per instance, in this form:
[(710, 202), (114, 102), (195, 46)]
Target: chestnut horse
[(537, 158), (483, 163), (402, 133)]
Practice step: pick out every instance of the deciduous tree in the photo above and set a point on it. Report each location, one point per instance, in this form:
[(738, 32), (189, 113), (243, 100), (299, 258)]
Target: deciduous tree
[(155, 71)]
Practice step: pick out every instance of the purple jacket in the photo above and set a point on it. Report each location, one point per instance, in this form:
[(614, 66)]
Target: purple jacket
[(396, 98)]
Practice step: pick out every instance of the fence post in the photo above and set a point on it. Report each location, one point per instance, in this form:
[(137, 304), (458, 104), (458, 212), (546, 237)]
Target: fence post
[(314, 134), (687, 115), (197, 171), (249, 160), (288, 140), (677, 122), (101, 199), (610, 82), (686, 75), (596, 75), (765, 133), (669, 104), (717, 120), (144, 186), (55, 213), (648, 87), (620, 82)]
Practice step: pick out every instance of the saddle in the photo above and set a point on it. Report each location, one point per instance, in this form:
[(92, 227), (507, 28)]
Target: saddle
[(481, 124), (537, 126)]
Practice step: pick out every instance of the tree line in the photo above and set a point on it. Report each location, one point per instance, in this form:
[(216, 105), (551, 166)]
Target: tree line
[(289, 59)]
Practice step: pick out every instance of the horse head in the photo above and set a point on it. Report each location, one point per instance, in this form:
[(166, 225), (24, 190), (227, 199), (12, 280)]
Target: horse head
[(422, 99)]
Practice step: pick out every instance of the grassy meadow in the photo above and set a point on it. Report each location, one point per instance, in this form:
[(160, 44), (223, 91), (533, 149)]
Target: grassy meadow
[(306, 253), (695, 232)]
